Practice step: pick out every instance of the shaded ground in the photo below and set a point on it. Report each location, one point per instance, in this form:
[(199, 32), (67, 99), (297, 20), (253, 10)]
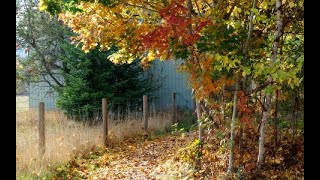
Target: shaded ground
[(132, 159), (163, 158), (146, 160)]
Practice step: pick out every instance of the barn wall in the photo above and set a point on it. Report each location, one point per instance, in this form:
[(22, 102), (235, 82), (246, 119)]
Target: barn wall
[(165, 71), (42, 92), (171, 81)]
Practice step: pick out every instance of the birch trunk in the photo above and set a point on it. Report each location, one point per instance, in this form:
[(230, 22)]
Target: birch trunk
[(245, 51), (231, 155), (201, 131), (265, 116), (275, 125), (199, 114), (267, 107)]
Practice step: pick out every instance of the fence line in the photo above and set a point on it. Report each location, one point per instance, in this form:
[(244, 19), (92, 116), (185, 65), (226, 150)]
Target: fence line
[(105, 120)]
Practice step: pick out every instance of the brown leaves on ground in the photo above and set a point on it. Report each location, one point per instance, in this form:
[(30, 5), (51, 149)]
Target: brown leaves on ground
[(144, 160), (132, 159), (286, 162), (165, 158)]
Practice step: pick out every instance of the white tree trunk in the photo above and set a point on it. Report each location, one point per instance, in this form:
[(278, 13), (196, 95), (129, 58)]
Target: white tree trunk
[(267, 109), (231, 155), (199, 115), (246, 46), (198, 108), (265, 117), (245, 51)]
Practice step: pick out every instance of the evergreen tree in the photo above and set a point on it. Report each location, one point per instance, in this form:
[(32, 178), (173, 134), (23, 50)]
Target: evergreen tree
[(89, 77)]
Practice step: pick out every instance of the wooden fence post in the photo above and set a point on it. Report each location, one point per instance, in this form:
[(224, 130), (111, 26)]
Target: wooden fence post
[(41, 125), (174, 109), (105, 122), (145, 113)]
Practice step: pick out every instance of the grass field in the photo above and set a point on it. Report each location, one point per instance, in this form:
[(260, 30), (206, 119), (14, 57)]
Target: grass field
[(22, 103), (66, 138)]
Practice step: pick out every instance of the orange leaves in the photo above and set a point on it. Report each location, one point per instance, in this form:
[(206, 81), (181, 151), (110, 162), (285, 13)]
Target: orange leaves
[(245, 110), (242, 105), (136, 27), (157, 39), (176, 29), (201, 69), (250, 166)]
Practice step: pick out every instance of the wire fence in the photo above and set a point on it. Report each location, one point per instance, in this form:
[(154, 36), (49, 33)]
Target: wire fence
[(92, 110)]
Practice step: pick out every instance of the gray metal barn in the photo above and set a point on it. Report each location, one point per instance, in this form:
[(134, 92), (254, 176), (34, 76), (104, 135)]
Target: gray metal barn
[(171, 81)]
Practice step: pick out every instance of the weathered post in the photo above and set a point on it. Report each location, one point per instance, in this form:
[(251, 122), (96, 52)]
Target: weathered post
[(105, 122), (174, 109), (145, 113), (41, 125)]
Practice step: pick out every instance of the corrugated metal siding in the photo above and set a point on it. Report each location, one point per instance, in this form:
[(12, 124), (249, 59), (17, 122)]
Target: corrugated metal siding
[(42, 92), (171, 81)]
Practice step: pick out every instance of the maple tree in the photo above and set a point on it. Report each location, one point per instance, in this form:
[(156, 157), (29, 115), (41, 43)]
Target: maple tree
[(226, 46)]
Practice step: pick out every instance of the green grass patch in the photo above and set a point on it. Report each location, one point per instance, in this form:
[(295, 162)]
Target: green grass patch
[(186, 122)]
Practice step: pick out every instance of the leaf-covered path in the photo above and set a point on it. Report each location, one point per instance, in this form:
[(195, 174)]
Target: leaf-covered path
[(149, 159), (162, 158)]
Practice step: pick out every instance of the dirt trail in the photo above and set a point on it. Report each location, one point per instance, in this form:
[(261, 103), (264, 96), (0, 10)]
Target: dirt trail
[(154, 159)]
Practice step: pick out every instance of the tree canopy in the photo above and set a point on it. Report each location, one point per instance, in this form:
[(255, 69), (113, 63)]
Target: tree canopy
[(251, 49), (81, 79)]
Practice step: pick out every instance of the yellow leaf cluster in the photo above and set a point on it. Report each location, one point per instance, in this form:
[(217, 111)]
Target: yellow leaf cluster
[(106, 26)]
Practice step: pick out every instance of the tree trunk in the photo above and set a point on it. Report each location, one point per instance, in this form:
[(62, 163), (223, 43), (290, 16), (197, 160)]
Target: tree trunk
[(275, 125), (198, 103), (265, 116), (223, 104), (245, 51), (199, 114), (201, 131), (246, 46), (267, 107), (174, 109), (296, 113), (294, 122), (231, 155)]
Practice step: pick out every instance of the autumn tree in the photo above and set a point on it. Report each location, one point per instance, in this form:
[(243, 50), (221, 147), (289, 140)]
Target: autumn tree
[(53, 59), (227, 48)]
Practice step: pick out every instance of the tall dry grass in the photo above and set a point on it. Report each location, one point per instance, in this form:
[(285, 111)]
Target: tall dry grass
[(22, 103), (64, 138)]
